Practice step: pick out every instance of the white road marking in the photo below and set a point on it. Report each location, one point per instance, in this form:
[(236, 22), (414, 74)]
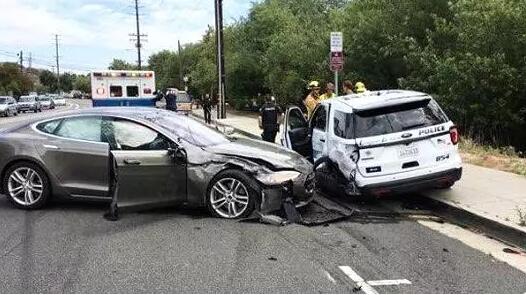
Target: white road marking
[(389, 282), (330, 277), (479, 242), (356, 278)]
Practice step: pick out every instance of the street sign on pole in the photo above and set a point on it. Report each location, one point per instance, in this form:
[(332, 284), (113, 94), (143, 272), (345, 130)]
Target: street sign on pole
[(336, 58)]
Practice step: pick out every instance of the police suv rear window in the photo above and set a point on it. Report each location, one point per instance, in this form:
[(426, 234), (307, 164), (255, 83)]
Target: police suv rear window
[(398, 118)]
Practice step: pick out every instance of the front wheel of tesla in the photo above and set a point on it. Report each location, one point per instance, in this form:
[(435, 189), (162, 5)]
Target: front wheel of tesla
[(26, 186), (231, 195)]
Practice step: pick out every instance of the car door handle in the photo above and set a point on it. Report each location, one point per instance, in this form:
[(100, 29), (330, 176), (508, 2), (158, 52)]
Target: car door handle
[(132, 162), (51, 147), (322, 140)]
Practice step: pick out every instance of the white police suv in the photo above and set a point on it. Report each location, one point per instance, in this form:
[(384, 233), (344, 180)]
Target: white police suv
[(377, 143)]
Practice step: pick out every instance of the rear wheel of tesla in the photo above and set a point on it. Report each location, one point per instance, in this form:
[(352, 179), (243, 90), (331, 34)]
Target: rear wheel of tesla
[(26, 186), (231, 195)]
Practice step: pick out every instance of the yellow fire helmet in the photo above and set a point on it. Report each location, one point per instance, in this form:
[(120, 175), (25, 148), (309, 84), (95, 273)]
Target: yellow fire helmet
[(360, 87), (314, 84)]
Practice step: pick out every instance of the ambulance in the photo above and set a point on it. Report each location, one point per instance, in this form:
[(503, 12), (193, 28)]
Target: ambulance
[(123, 88)]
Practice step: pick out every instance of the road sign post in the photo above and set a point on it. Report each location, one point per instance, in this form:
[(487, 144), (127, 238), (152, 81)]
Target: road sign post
[(336, 58)]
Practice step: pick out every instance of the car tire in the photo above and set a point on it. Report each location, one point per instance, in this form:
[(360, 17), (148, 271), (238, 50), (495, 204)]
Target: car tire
[(227, 203), (16, 183)]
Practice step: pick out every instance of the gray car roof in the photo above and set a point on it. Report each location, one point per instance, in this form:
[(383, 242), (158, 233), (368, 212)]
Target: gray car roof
[(131, 112)]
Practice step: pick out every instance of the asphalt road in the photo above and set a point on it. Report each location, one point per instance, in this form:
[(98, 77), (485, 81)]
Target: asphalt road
[(68, 247)]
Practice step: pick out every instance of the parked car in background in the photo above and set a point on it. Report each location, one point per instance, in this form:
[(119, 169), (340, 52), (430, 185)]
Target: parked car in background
[(8, 106), (29, 103), (378, 143), (183, 100), (46, 102), (59, 100)]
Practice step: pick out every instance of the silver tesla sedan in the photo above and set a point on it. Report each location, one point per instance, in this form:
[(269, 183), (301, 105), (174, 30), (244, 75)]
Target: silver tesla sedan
[(146, 157)]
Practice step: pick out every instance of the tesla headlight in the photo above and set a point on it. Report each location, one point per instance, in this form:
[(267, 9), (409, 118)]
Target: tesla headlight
[(279, 177)]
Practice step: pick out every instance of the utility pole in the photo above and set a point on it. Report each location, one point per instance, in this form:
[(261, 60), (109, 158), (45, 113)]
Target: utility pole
[(180, 62), (138, 35), (58, 66), (221, 111), (21, 59)]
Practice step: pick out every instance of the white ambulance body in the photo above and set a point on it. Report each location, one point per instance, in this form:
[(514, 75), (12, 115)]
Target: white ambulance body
[(123, 88)]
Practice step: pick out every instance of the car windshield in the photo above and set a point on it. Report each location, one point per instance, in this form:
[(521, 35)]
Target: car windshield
[(398, 118), (188, 129), (26, 98), (183, 97), (44, 98), (3, 100)]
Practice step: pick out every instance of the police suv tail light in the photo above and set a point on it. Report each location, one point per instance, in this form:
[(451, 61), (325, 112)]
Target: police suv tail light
[(453, 133)]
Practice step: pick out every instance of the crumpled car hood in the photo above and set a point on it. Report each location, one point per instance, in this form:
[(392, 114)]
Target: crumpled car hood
[(279, 157)]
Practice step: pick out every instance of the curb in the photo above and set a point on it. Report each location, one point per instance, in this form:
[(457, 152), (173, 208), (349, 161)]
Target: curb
[(456, 213)]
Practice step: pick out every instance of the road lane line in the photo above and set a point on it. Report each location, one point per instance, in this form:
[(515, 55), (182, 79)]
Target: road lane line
[(389, 282), (364, 286), (330, 277)]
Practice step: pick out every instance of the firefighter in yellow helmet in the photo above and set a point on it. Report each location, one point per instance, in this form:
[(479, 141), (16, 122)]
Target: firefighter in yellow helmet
[(312, 100), (360, 87)]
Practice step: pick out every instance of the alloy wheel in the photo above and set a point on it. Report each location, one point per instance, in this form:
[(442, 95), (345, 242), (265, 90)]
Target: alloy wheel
[(229, 198), (25, 186)]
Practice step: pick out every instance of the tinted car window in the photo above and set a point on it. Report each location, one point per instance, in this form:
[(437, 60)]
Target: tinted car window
[(49, 127), (296, 119), (319, 119), (343, 125), (3, 100), (183, 97), (398, 118), (128, 135), (27, 98), (84, 128)]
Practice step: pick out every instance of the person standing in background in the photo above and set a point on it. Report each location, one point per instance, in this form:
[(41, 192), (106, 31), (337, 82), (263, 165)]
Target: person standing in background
[(347, 87), (269, 118), (207, 108), (329, 92), (312, 100)]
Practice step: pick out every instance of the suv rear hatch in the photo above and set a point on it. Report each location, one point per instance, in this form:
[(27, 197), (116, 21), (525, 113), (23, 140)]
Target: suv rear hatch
[(403, 137)]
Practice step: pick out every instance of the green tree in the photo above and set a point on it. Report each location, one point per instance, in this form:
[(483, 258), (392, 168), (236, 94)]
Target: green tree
[(82, 83), (13, 81), (49, 80), (119, 64)]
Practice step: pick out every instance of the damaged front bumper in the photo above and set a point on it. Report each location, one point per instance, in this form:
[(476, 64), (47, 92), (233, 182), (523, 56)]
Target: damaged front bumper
[(302, 193)]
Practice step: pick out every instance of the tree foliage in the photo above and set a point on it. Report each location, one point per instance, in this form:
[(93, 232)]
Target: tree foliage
[(120, 64), (13, 81), (469, 54)]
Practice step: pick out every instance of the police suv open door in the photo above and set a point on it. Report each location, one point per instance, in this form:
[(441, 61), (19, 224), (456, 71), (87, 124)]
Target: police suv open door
[(296, 132)]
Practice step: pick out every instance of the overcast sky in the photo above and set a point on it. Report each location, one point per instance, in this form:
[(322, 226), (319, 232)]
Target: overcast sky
[(93, 32)]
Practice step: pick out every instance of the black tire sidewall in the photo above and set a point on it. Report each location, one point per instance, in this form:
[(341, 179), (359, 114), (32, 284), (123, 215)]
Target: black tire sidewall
[(46, 188), (247, 181)]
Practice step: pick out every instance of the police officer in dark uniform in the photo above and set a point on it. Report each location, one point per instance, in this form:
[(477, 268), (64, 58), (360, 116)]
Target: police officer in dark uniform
[(207, 109), (269, 119), (171, 101)]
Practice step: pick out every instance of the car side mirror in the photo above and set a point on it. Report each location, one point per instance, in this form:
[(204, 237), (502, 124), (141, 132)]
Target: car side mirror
[(178, 155)]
